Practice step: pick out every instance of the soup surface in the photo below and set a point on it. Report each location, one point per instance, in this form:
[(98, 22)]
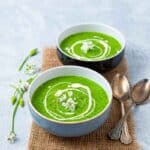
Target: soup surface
[(69, 99), (90, 46)]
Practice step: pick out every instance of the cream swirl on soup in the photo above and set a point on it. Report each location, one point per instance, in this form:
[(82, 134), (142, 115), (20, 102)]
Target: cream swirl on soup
[(70, 98), (66, 99)]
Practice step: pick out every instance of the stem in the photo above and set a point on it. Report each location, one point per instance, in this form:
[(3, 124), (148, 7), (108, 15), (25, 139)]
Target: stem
[(115, 133), (16, 89), (31, 79), (125, 137), (127, 113), (14, 113), (13, 86), (25, 60), (15, 92)]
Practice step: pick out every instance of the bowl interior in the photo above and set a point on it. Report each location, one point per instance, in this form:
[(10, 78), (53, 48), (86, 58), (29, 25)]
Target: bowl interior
[(66, 71), (92, 28)]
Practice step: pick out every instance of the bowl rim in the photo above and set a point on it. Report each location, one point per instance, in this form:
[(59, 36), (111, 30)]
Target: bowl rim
[(69, 122), (91, 24)]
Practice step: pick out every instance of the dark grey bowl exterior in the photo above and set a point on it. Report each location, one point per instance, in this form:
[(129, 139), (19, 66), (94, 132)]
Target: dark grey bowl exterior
[(70, 130), (100, 66)]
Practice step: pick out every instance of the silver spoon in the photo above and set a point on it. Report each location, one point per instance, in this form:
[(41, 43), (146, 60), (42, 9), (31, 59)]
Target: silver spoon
[(121, 92), (139, 94), (125, 137)]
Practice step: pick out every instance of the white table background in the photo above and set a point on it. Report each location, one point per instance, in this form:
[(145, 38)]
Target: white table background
[(26, 24)]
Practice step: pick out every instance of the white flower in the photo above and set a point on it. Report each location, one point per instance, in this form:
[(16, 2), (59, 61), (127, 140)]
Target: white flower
[(86, 46), (69, 104), (12, 137), (63, 98), (23, 85), (31, 69), (70, 93)]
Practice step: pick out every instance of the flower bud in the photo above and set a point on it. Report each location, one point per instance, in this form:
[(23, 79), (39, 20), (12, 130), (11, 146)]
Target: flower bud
[(13, 99), (12, 137), (33, 52), (21, 102)]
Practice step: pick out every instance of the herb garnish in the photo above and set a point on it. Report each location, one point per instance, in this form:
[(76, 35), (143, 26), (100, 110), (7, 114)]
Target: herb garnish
[(20, 89)]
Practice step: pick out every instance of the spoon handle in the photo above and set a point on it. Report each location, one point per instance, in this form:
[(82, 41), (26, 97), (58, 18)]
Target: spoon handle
[(125, 135), (115, 133)]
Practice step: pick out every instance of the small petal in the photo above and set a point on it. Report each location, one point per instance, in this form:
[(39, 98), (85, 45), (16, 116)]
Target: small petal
[(86, 46)]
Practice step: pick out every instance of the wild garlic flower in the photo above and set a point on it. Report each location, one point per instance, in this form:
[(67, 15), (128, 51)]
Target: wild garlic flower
[(69, 104), (66, 99), (70, 93), (12, 137), (23, 86), (86, 46), (31, 69), (63, 98)]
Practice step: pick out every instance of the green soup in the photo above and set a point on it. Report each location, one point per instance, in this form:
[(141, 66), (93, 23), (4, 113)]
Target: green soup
[(69, 99), (90, 46)]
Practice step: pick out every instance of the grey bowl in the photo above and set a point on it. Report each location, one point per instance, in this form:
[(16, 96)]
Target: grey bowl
[(70, 129)]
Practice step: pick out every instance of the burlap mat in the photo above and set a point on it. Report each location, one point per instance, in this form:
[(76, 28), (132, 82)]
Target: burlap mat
[(42, 140)]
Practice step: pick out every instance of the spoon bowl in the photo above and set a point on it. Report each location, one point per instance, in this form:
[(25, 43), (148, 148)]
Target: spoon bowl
[(120, 87), (141, 92)]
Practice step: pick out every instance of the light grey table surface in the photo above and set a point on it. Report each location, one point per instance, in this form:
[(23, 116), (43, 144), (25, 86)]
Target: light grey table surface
[(25, 24)]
